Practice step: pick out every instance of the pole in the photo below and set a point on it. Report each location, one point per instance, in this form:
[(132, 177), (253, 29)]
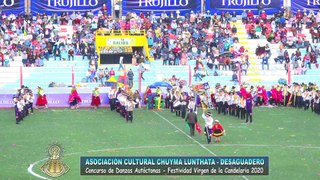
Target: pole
[(239, 74), (139, 81), (21, 77), (289, 74), (190, 76), (72, 76), (202, 6), (159, 102), (125, 76)]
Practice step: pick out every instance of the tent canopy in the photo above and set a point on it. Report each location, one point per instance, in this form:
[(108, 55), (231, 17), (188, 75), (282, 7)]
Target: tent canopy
[(112, 79), (161, 84)]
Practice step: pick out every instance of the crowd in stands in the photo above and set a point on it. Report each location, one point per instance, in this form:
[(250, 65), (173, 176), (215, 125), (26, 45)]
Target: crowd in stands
[(208, 38), (34, 39), (288, 31)]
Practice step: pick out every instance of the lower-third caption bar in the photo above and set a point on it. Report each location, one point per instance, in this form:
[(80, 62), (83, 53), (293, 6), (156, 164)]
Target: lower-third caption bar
[(174, 165)]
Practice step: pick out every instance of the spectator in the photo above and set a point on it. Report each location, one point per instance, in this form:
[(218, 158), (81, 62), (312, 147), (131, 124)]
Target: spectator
[(234, 77), (71, 54), (91, 52), (197, 74), (302, 70), (306, 61), (85, 53), (260, 51), (130, 78), (117, 9), (267, 50), (121, 63), (227, 63), (6, 60), (24, 58), (184, 58), (244, 17), (171, 58), (286, 56), (141, 70), (2, 59), (265, 61), (234, 16), (88, 76), (244, 68), (101, 76), (177, 52), (57, 53), (234, 29), (295, 66), (112, 73), (106, 72)]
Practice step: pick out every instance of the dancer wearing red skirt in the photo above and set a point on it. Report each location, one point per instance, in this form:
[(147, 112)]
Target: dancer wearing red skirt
[(96, 101), (74, 98), (217, 131), (42, 99)]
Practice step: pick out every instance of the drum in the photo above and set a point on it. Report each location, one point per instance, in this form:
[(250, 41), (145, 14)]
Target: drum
[(176, 104)]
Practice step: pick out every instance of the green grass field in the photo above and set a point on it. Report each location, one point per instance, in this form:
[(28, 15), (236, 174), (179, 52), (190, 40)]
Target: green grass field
[(290, 137)]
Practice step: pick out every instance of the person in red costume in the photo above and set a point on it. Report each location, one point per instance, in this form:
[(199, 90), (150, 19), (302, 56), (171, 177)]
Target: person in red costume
[(148, 98), (112, 73), (260, 96), (250, 15), (243, 91), (74, 98), (95, 101), (104, 8), (279, 95), (176, 52), (299, 16), (263, 16), (217, 130), (264, 95), (42, 99), (274, 96)]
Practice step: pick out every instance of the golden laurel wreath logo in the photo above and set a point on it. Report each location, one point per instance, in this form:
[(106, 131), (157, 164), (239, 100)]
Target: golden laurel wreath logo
[(54, 167)]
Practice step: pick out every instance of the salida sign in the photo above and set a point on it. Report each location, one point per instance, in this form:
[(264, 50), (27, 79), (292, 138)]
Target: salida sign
[(158, 6), (59, 6)]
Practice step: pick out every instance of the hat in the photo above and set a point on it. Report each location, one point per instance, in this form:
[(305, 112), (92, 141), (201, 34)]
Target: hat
[(208, 114), (216, 120)]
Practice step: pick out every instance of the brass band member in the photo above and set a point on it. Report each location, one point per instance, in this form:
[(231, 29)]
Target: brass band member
[(306, 99), (183, 100), (177, 103), (129, 107), (112, 98), (285, 94), (299, 96)]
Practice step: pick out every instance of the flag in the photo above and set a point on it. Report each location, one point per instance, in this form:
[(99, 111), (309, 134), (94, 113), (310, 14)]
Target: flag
[(187, 125), (198, 128)]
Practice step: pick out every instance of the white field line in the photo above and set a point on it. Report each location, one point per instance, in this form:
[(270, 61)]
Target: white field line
[(201, 145)]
